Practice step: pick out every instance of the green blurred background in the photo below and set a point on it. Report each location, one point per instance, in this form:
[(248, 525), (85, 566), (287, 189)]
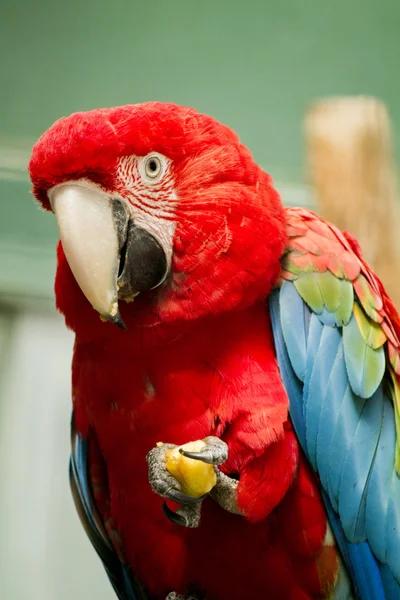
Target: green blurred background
[(254, 65)]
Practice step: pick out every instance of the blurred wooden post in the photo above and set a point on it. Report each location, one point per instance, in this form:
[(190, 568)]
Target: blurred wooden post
[(352, 168)]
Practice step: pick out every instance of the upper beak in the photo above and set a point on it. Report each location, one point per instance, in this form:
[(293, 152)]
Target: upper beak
[(109, 256)]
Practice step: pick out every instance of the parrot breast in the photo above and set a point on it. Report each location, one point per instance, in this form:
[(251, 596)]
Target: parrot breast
[(218, 377)]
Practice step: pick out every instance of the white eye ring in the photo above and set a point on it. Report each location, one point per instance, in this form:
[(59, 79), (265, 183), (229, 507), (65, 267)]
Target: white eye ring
[(153, 167)]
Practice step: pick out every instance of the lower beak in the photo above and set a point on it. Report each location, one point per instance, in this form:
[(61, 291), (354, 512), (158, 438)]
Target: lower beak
[(110, 257)]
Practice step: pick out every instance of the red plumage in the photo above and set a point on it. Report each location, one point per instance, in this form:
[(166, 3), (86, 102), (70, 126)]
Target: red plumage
[(198, 359)]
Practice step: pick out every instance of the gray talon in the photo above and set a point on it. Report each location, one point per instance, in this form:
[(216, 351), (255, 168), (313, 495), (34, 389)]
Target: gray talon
[(162, 482), (215, 452), (160, 479), (183, 498), (186, 516), (175, 517), (205, 456)]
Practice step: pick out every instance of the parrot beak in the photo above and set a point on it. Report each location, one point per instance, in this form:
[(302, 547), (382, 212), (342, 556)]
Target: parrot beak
[(110, 257)]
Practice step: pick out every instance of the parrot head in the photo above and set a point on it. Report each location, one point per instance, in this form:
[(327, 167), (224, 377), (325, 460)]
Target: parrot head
[(159, 201)]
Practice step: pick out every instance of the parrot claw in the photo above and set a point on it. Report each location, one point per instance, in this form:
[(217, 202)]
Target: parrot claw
[(162, 482), (185, 516), (180, 498), (215, 451), (175, 517)]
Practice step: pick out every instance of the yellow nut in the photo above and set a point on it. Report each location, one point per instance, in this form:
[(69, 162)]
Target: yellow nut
[(195, 476)]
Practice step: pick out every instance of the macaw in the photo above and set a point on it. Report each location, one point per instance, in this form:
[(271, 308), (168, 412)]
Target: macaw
[(214, 326)]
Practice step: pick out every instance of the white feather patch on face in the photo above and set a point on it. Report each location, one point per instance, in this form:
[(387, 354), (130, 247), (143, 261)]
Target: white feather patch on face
[(147, 183)]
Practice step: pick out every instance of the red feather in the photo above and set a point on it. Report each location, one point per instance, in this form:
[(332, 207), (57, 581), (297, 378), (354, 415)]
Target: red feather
[(198, 359)]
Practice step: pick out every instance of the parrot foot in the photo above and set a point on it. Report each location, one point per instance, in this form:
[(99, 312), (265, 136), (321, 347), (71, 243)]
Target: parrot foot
[(162, 482), (215, 452), (187, 515), (225, 493)]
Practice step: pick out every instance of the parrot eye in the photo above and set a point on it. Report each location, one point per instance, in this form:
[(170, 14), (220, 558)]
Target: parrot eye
[(153, 167)]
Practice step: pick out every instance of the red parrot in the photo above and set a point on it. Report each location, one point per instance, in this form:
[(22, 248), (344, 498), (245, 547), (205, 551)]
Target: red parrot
[(205, 310)]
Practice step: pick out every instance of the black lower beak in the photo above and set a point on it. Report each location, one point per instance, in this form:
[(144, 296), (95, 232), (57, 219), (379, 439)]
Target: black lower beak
[(143, 263)]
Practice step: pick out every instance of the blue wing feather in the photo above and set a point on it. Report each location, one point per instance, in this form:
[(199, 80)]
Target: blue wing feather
[(333, 399), (327, 318), (349, 440), (391, 587), (313, 343), (381, 475), (393, 528), (313, 397), (344, 432), (294, 330), (353, 483), (367, 575), (358, 558), (292, 384)]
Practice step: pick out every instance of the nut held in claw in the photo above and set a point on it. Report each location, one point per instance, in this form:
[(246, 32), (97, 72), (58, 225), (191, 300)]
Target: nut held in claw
[(196, 477)]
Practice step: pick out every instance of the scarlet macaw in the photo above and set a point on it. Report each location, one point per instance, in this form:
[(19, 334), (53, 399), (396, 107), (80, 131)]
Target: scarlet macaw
[(229, 319)]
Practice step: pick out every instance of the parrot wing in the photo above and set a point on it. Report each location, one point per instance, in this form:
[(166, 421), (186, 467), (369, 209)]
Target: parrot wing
[(337, 337), (83, 483)]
